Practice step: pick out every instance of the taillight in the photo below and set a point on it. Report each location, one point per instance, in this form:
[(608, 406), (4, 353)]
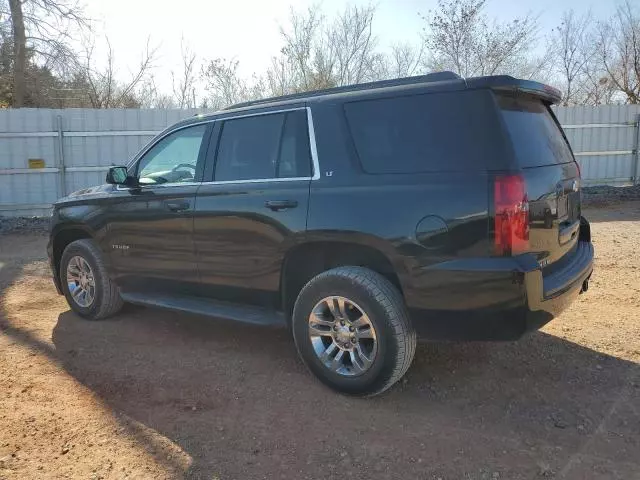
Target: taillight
[(511, 215)]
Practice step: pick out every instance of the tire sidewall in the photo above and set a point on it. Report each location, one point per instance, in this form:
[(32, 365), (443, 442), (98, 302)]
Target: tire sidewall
[(383, 366), (77, 249)]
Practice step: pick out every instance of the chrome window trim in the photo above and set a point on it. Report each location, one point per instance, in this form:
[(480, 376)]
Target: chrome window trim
[(312, 146), (259, 114), (161, 185), (257, 180)]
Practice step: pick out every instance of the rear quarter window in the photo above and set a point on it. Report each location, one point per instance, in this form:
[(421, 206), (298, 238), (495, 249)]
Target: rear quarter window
[(435, 132)]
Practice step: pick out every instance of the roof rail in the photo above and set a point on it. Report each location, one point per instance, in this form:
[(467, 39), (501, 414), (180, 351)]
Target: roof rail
[(429, 77)]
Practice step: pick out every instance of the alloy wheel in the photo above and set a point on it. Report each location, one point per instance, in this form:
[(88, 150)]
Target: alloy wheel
[(80, 281), (342, 335)]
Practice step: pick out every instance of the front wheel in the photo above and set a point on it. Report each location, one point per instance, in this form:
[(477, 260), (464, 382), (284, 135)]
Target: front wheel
[(86, 285), (352, 330)]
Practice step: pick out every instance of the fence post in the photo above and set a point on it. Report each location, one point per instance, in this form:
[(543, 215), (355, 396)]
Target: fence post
[(61, 167)]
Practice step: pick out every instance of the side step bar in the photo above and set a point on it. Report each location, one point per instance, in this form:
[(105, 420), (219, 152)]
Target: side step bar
[(210, 308)]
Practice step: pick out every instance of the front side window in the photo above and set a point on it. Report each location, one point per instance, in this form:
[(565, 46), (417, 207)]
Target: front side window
[(173, 159), (264, 147)]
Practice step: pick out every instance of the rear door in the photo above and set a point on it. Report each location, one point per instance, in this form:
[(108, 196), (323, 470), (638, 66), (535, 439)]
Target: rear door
[(254, 205), (551, 175)]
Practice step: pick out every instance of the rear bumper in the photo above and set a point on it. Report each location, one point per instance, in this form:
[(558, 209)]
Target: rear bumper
[(548, 296), (495, 298)]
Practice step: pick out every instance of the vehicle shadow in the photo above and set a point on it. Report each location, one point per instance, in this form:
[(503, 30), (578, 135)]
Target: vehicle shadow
[(240, 403)]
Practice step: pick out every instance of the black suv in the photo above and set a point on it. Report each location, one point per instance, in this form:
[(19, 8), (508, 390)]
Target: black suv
[(362, 217)]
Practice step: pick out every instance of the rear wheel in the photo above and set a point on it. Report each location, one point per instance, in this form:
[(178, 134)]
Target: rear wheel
[(352, 330), (86, 285)]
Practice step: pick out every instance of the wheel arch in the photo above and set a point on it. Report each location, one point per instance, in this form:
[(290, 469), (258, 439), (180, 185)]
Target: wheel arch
[(61, 238), (305, 260)]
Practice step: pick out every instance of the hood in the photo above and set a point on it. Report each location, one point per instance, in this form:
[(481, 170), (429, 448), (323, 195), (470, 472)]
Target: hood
[(96, 191)]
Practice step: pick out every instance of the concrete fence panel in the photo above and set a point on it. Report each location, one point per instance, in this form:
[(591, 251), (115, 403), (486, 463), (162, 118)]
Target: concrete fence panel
[(48, 153)]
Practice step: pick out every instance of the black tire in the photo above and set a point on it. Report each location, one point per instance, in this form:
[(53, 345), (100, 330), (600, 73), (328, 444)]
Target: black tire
[(107, 300), (386, 310)]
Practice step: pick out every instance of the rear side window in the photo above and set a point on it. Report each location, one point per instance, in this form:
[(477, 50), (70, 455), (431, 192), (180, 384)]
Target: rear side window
[(452, 131), (536, 137), (264, 147), (295, 153)]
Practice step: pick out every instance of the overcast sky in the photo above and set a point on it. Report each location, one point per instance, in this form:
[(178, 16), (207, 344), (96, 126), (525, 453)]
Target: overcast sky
[(248, 30)]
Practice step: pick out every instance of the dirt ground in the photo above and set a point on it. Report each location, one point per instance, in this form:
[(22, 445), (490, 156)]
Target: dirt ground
[(154, 394)]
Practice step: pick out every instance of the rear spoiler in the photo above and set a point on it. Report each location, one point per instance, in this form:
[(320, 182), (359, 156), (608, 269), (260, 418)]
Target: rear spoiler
[(506, 83)]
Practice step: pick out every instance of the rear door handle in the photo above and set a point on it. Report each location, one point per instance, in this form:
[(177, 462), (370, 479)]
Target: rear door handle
[(177, 206), (276, 205)]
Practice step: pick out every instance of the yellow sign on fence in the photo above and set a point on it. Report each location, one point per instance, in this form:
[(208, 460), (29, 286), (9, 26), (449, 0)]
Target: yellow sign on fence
[(36, 163)]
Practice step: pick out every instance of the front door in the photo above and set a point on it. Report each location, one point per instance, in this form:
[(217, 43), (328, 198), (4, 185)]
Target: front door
[(254, 206), (150, 227)]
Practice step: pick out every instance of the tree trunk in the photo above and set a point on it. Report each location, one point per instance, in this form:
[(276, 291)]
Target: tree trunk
[(19, 52)]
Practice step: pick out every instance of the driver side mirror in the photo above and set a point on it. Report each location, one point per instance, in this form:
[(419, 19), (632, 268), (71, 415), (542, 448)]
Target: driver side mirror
[(119, 176)]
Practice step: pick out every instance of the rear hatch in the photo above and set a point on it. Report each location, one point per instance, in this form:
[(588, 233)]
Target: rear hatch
[(549, 175)]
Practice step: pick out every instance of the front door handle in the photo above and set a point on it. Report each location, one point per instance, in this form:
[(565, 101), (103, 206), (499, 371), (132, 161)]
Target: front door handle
[(177, 206), (276, 205)]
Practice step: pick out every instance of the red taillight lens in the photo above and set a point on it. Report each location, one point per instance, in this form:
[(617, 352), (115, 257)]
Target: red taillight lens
[(512, 215)]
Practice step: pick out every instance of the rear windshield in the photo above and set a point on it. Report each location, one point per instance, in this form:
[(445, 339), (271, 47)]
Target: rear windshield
[(449, 131), (535, 135)]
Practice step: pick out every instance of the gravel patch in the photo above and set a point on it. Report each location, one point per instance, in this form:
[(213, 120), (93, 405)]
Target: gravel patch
[(607, 195), (37, 225)]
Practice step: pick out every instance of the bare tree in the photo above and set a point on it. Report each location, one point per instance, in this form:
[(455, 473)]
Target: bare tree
[(404, 60), (279, 76), (19, 52), (459, 37), (6, 63), (104, 90), (41, 28), (577, 61), (598, 89), (618, 50), (572, 51), (352, 43), (184, 90), (295, 67), (318, 53), (226, 86), (150, 97)]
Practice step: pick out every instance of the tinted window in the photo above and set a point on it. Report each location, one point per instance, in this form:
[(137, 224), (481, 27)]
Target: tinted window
[(536, 137), (174, 158), (425, 133), (295, 155), (263, 147)]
